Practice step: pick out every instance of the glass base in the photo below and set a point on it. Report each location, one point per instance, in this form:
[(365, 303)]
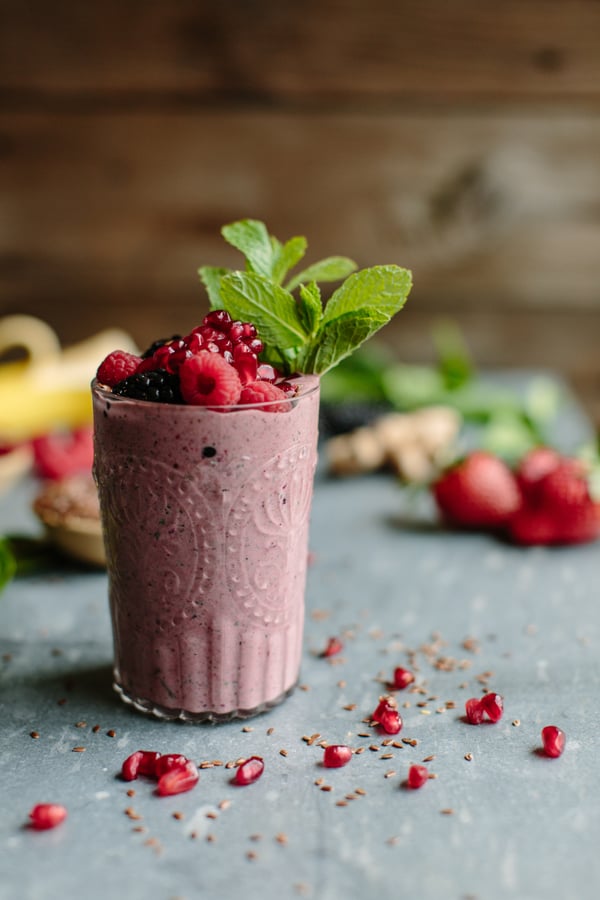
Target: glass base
[(170, 715)]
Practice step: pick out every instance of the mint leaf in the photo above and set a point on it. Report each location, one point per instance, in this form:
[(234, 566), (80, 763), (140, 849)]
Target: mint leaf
[(211, 278), (8, 563), (310, 306), (272, 309), (384, 288), (333, 268), (286, 256), (339, 338), (253, 240)]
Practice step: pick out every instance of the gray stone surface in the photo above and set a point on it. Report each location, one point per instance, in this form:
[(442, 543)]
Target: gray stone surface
[(389, 580)]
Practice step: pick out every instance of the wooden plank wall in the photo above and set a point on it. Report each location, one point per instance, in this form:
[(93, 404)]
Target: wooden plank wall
[(461, 139)]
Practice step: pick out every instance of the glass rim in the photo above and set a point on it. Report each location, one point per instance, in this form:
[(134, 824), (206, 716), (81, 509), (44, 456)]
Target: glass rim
[(262, 406)]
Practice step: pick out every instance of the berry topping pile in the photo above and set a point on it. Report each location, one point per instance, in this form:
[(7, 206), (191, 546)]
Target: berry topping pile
[(216, 365), (546, 499)]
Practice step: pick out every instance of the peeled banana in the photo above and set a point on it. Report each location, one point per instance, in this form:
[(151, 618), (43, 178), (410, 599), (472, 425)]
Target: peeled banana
[(51, 388)]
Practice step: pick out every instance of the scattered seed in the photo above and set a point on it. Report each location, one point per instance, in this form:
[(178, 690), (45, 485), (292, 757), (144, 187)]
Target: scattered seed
[(425, 712), (217, 762), (447, 812), (251, 855), (304, 687), (398, 745), (210, 838), (350, 796), (359, 750), (390, 773), (313, 738), (131, 813), (350, 707), (229, 765), (360, 791), (96, 729), (386, 756), (34, 734), (240, 761), (270, 731), (319, 781), (374, 748), (468, 757), (247, 728), (193, 835), (283, 752), (212, 815), (516, 722), (81, 724), (111, 732), (392, 841), (281, 838), (78, 749), (140, 829), (342, 803), (206, 765), (412, 742), (432, 775), (131, 792), (341, 684), (429, 758), (224, 804), (364, 734), (178, 815), (450, 704), (326, 787)]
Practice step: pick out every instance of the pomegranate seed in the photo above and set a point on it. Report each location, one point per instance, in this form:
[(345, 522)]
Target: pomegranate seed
[(266, 372), (245, 362), (402, 678), (474, 711), (130, 768), (255, 345), (387, 717), (236, 331), (178, 779), (493, 706), (336, 755), (47, 815), (249, 771), (147, 764), (219, 319), (248, 330), (417, 776), (553, 739), (334, 646), (168, 761)]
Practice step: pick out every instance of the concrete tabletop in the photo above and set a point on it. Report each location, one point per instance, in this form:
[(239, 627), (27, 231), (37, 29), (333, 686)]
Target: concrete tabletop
[(465, 612)]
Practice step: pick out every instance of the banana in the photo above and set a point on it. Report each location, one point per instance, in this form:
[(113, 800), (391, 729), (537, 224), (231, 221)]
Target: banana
[(51, 389)]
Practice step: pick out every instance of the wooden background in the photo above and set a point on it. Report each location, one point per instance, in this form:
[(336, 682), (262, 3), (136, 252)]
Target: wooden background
[(460, 138)]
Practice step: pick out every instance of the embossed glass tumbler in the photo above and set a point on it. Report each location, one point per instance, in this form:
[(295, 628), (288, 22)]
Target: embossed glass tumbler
[(205, 515)]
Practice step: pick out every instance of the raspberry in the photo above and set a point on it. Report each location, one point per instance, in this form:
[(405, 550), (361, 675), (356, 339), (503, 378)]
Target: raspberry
[(209, 380), (158, 386), (264, 392), (47, 815), (117, 366)]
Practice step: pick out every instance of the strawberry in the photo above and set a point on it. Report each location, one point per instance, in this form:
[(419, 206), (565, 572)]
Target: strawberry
[(558, 507), (480, 491), (532, 468), (58, 455)]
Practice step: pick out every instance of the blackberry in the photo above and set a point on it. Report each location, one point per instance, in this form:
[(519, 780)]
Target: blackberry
[(160, 343), (158, 386)]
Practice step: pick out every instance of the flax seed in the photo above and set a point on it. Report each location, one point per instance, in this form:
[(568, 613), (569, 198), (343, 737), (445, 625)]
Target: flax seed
[(364, 734), (140, 829), (398, 745), (313, 738), (447, 812), (386, 756), (360, 791), (425, 712), (374, 748), (78, 749), (224, 804), (342, 803), (516, 722), (350, 707), (281, 838), (178, 815), (283, 752), (96, 729), (210, 838), (81, 724), (304, 687), (326, 787), (217, 762), (412, 742), (468, 757), (247, 728), (359, 750), (341, 684), (390, 773), (131, 792), (270, 731), (319, 782), (251, 855), (34, 734), (111, 733), (131, 813), (429, 758), (206, 765)]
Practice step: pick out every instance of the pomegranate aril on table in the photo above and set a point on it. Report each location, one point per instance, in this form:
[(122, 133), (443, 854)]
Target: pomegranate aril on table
[(249, 771), (493, 706), (402, 678), (417, 776), (178, 779), (336, 755), (553, 741), (474, 711), (387, 716), (47, 815)]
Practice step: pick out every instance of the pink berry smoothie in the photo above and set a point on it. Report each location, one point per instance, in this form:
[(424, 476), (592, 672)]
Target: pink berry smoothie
[(205, 516)]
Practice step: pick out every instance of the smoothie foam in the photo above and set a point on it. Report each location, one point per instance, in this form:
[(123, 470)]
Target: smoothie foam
[(205, 516)]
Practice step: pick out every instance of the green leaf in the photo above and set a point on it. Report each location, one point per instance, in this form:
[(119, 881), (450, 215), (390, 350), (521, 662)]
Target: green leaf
[(211, 278), (310, 306), (252, 239), (333, 268), (339, 338), (286, 256), (381, 288), (272, 309), (8, 563)]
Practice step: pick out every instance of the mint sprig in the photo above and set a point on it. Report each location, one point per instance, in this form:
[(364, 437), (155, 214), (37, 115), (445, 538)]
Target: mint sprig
[(300, 335)]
